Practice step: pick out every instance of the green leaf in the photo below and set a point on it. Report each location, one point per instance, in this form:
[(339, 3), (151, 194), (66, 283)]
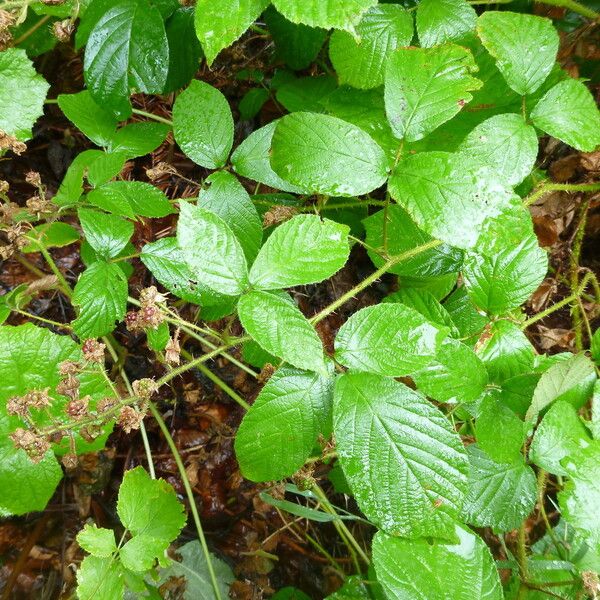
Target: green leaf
[(353, 589), (22, 94), (500, 433), (29, 359), (403, 235), (457, 201), (505, 351), (158, 338), (279, 431), (202, 124), (166, 262), (297, 45), (506, 144), (426, 303), (420, 570), (328, 14), (455, 375), (100, 579), (390, 438), (425, 87), (185, 51), (571, 380), (26, 486), (299, 510), (98, 124), (594, 424), (224, 195), (139, 139), (127, 49), (194, 567), (251, 159), (468, 320), (51, 235), (500, 495), (97, 541), (220, 23), (252, 102), (149, 509), (327, 155), (560, 435), (359, 59), (440, 21), (211, 250), (131, 199), (569, 113), (501, 282), (101, 295), (389, 339), (581, 495), (278, 326), (524, 47), (595, 346), (306, 93), (300, 251), (106, 234)]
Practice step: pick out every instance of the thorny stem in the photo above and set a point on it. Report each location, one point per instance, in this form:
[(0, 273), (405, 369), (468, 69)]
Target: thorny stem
[(42, 319), (542, 479), (143, 113), (190, 495), (390, 263), (31, 30), (588, 278), (546, 188), (578, 313), (64, 285), (522, 553)]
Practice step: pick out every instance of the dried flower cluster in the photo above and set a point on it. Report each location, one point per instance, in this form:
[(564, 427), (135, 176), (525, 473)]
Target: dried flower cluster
[(150, 315)]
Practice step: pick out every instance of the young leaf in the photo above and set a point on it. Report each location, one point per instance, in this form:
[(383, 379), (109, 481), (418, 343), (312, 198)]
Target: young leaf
[(500, 433), (22, 94), (403, 235), (165, 261), (328, 14), (131, 199), (101, 295), (100, 579), (220, 23), (202, 124), (278, 326), (422, 570), (395, 487), (455, 375), (501, 282), (149, 509), (500, 495), (569, 113), (52, 235), (359, 59), (300, 251), (467, 319), (504, 143), (251, 159), (581, 495), (98, 124), (194, 568), (227, 198), (327, 155), (505, 351), (571, 380), (511, 39), (127, 48), (297, 45), (425, 87), (440, 21), (454, 200), (389, 339), (212, 251), (279, 431), (106, 234), (97, 541), (185, 51), (560, 435)]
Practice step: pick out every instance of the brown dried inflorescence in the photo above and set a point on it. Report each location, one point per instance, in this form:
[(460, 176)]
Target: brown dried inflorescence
[(93, 351), (10, 142), (150, 315), (34, 445), (130, 418), (21, 405)]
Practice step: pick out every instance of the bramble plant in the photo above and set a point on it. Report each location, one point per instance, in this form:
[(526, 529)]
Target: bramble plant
[(415, 140)]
